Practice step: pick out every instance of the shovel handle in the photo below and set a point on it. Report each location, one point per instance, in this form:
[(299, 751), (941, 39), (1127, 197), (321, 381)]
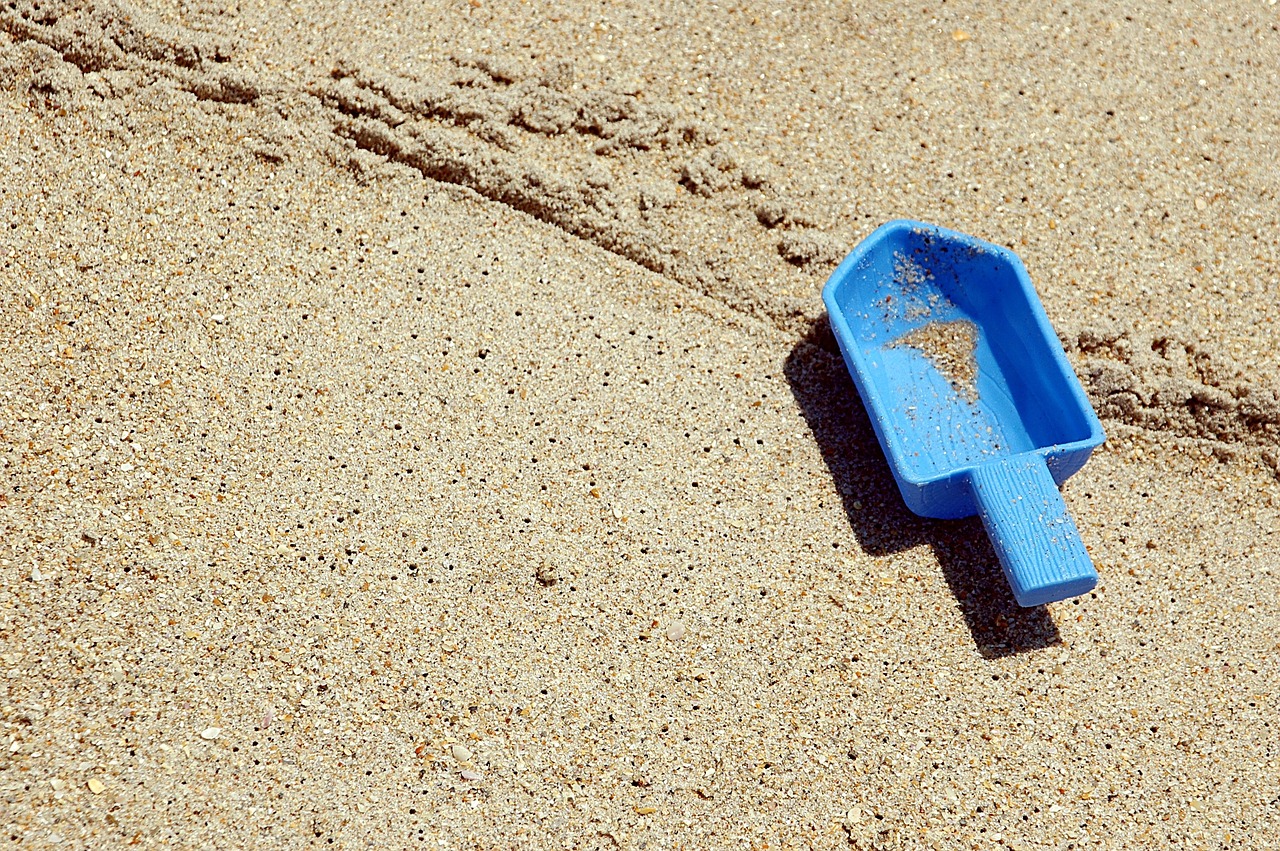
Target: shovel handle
[(1032, 533)]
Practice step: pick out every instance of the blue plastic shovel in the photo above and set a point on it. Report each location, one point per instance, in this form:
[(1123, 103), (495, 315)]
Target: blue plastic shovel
[(970, 394)]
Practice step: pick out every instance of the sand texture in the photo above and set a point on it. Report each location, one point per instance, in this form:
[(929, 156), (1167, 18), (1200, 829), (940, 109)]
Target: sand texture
[(421, 428)]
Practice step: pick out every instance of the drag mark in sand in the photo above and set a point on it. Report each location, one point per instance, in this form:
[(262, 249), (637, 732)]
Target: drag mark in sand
[(629, 176), (635, 177), (102, 36), (1176, 386)]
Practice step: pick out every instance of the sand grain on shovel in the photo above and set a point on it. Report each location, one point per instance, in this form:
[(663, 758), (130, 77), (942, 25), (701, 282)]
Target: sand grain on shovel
[(949, 346)]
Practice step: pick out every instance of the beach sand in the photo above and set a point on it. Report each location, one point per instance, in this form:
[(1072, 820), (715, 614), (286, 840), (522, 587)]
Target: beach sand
[(421, 428)]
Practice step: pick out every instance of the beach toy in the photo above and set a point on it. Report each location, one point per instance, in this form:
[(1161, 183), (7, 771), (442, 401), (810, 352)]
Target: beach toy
[(970, 394)]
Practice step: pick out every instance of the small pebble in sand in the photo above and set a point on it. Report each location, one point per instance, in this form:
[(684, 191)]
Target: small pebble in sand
[(461, 753), (58, 784), (549, 571), (96, 786), (211, 733), (644, 811), (468, 774), (771, 214), (676, 631), (755, 174)]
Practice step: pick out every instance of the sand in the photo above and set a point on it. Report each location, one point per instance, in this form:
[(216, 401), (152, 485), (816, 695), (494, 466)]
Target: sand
[(949, 347), (421, 428)]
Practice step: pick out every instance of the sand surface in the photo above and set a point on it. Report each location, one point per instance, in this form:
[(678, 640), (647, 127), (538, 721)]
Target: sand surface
[(421, 428)]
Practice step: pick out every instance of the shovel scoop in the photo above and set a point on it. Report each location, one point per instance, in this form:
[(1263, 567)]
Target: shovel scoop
[(970, 394)]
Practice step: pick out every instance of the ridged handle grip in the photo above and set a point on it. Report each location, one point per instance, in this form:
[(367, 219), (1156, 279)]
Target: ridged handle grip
[(1031, 531)]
